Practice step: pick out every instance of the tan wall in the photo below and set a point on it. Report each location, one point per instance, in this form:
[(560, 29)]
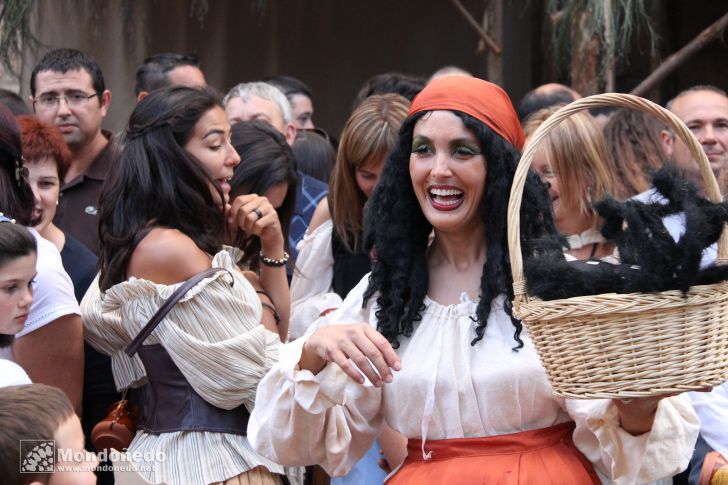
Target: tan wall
[(333, 45)]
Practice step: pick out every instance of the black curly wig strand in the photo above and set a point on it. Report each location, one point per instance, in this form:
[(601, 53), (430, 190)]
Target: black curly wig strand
[(396, 228)]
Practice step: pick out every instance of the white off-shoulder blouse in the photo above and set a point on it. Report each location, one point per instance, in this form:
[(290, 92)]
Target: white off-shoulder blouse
[(312, 289), (215, 337), (450, 389)]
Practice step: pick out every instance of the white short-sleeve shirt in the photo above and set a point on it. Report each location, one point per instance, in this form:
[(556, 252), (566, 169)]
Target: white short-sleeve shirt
[(53, 295), (11, 374)]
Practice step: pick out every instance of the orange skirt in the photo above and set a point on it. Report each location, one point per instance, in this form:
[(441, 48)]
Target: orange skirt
[(544, 456)]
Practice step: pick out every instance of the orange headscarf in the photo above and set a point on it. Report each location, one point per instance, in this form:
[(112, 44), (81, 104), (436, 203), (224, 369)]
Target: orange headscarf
[(480, 99)]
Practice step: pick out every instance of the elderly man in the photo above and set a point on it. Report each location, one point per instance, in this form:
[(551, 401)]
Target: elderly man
[(67, 90), (263, 101)]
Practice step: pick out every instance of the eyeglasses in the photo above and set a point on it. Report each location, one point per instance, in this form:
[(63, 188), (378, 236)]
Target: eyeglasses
[(73, 99)]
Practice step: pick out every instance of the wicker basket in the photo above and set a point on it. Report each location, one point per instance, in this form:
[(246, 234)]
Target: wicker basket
[(624, 345)]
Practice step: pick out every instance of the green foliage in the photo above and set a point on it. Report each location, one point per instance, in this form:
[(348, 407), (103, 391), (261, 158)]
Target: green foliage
[(14, 31), (624, 20)]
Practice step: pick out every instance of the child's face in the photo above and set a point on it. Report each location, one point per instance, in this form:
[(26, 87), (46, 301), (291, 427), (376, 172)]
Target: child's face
[(70, 437), (16, 293)]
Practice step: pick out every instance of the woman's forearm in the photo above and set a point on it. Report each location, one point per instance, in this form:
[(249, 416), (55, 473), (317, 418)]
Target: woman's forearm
[(275, 283)]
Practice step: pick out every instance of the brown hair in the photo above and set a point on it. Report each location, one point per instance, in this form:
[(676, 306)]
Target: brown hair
[(31, 412), (41, 140), (633, 140), (576, 150), (369, 135), (16, 196)]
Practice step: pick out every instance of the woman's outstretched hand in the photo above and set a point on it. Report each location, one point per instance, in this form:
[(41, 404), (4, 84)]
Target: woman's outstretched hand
[(354, 348)]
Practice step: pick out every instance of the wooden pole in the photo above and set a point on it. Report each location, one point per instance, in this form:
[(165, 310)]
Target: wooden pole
[(609, 49), (494, 11), (483, 35), (673, 62)]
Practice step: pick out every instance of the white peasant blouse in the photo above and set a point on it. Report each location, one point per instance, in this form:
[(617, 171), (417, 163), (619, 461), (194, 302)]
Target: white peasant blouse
[(215, 337), (450, 389), (312, 289)]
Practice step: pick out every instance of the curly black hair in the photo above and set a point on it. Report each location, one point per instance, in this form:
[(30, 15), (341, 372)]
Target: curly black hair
[(398, 230)]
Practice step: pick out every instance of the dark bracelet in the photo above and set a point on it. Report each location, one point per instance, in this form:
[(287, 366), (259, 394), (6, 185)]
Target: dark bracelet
[(274, 262), (264, 293), (276, 317)]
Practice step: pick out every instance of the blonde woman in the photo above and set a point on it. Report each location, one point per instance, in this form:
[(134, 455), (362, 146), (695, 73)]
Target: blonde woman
[(331, 260), (573, 160)]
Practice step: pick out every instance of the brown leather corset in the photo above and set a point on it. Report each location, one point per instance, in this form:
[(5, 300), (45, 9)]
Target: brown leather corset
[(171, 404)]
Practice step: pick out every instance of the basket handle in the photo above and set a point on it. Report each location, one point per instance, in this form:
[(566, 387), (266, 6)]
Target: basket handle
[(597, 101)]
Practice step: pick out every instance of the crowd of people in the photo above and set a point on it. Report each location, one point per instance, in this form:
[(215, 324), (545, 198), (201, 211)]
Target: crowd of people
[(348, 310)]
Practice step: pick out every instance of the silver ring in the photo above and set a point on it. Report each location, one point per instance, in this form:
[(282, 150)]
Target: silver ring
[(627, 400), (258, 213)]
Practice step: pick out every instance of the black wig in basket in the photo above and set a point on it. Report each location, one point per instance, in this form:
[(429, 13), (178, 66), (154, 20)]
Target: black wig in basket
[(651, 260)]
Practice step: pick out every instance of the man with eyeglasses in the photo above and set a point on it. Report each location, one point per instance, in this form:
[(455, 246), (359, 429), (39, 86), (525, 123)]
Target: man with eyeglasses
[(67, 90)]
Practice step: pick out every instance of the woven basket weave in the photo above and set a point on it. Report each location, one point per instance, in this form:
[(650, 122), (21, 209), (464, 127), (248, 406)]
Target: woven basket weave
[(624, 345)]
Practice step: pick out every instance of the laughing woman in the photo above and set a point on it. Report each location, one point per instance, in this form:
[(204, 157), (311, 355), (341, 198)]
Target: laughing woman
[(440, 357), (162, 222)]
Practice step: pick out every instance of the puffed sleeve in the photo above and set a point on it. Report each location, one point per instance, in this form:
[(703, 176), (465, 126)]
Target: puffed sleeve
[(626, 459), (311, 287), (327, 419), (213, 334), (104, 330)]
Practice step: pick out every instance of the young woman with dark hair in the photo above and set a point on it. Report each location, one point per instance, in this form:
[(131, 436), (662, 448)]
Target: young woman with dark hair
[(163, 220), (49, 347), (16, 196), (267, 167), (18, 255), (315, 155), (449, 367)]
